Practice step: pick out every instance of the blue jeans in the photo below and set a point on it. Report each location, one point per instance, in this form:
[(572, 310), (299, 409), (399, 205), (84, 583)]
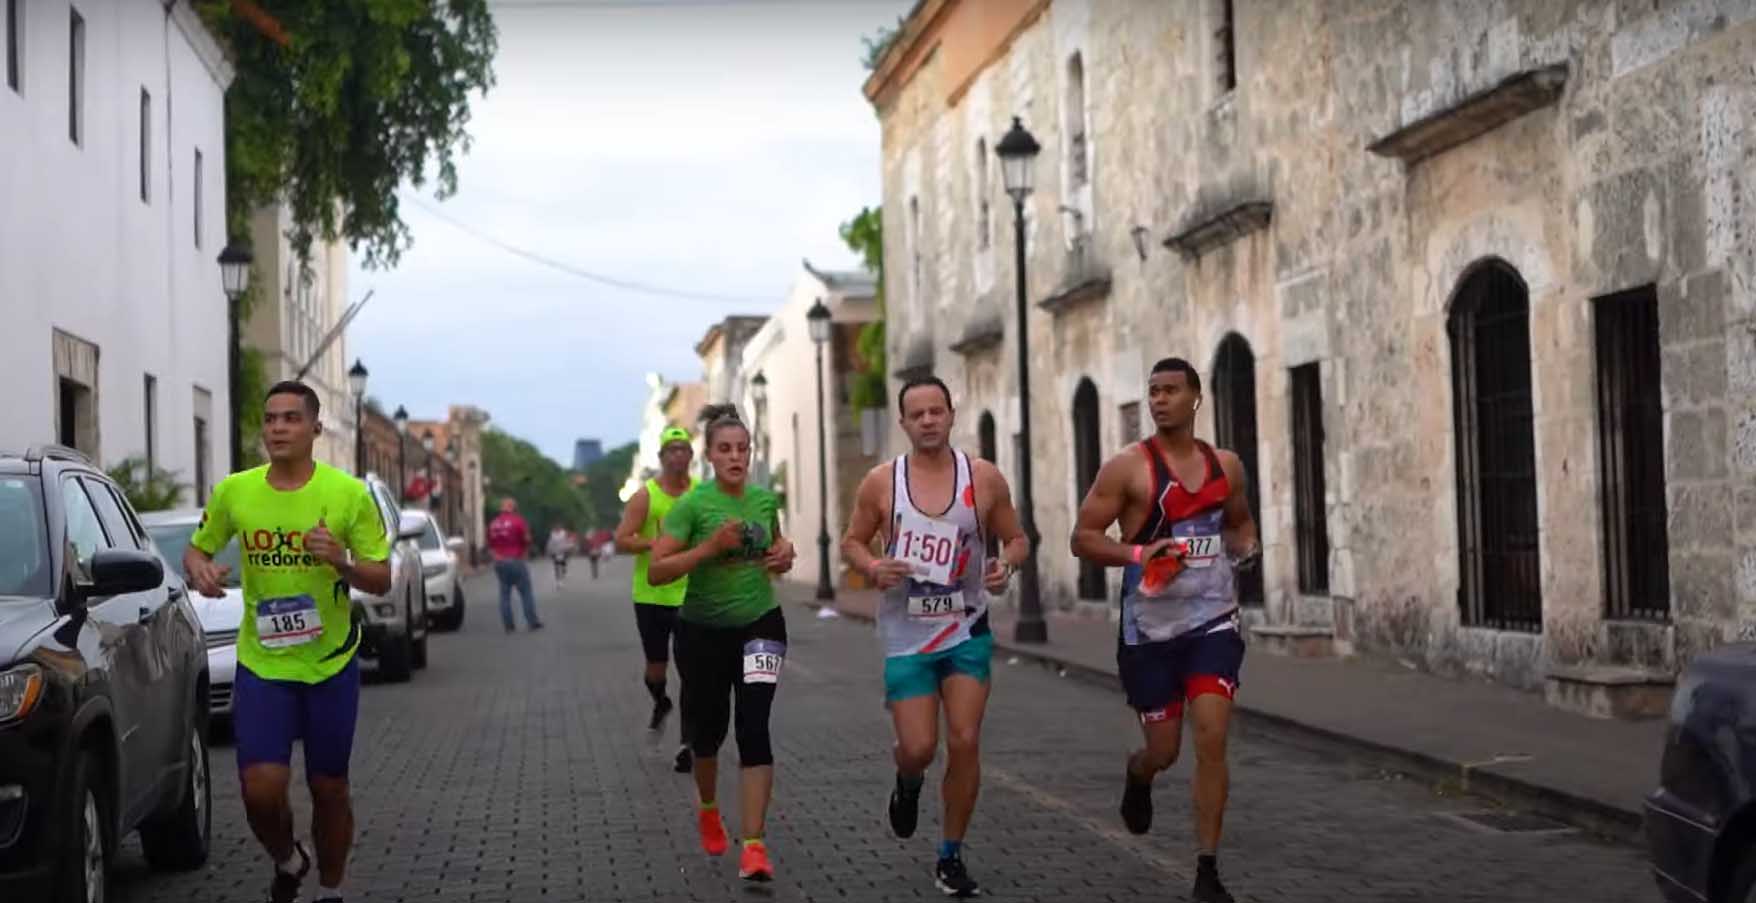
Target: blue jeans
[(514, 573)]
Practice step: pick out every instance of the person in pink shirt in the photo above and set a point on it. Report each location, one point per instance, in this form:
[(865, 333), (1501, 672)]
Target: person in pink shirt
[(509, 540)]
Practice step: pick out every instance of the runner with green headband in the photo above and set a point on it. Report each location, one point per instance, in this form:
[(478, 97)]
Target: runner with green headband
[(655, 607)]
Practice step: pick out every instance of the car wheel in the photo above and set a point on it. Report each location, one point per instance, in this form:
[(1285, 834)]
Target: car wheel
[(180, 839), (452, 618), (418, 645), (82, 874), (396, 657)]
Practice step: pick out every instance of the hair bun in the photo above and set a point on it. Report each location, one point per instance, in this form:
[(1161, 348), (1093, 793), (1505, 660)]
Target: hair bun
[(714, 412)]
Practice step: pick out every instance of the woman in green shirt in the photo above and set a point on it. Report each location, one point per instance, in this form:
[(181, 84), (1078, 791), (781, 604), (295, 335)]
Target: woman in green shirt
[(731, 639)]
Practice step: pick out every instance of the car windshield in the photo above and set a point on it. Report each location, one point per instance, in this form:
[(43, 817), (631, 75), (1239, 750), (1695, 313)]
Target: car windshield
[(172, 539), (430, 537), (24, 551)]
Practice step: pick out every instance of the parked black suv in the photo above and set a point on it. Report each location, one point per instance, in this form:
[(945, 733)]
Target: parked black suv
[(103, 687)]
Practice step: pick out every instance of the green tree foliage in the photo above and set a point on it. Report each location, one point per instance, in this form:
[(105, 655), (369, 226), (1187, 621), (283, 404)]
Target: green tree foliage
[(864, 235), (147, 488), (363, 96), (544, 491), (879, 41), (604, 478)]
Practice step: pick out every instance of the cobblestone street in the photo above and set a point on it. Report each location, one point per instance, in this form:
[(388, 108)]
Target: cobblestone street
[(518, 768)]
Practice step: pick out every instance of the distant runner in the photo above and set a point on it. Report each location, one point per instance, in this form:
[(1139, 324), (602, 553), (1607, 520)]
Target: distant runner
[(726, 536), (655, 607), (308, 532), (933, 617), (1183, 504), (560, 547)]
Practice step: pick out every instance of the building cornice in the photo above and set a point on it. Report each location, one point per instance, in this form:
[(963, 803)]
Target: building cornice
[(206, 44), (1475, 115)]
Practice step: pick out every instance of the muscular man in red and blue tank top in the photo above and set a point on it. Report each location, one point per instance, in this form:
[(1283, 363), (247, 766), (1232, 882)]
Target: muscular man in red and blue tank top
[(1182, 509)]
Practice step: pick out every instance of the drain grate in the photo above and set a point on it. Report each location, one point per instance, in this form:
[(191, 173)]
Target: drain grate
[(1508, 822)]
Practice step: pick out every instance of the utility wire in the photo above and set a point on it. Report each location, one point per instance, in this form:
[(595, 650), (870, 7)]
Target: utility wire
[(571, 270)]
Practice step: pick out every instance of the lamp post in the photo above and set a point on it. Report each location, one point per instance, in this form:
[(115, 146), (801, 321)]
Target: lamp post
[(1017, 151), (402, 453), (818, 319), (234, 264), (427, 468), (759, 395), (453, 495), (357, 385)]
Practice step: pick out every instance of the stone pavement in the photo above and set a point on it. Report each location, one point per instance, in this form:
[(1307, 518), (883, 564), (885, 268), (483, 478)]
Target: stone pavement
[(517, 768), (1496, 740)]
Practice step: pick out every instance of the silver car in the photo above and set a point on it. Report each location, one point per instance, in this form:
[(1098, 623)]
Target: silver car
[(394, 625), (439, 567), (220, 618)]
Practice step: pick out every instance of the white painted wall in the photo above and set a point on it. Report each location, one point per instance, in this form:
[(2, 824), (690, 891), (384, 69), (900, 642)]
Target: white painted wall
[(82, 253), (293, 316), (783, 352)]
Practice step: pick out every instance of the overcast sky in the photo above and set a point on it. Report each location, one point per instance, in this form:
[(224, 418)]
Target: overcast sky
[(701, 145)]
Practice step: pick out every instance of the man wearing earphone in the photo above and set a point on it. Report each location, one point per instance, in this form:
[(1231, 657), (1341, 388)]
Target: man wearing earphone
[(308, 532), (1181, 503)]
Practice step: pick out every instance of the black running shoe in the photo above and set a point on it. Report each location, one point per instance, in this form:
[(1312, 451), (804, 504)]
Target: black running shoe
[(332, 898), (954, 880), (285, 888), (685, 761), (1136, 804), (905, 808), (1208, 889), (659, 710)]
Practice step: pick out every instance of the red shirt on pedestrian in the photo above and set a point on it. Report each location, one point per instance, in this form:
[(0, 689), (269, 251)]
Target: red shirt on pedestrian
[(508, 537)]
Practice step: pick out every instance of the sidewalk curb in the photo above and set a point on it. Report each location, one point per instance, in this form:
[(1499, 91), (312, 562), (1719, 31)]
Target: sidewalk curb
[(1593, 816)]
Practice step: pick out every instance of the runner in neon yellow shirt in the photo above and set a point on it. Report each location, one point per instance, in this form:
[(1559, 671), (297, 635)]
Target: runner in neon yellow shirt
[(308, 532), (655, 607)]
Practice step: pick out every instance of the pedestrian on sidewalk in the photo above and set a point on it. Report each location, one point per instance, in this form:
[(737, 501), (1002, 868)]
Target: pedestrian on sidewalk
[(655, 607), (509, 540), (726, 536), (1183, 504), (298, 676), (935, 577)]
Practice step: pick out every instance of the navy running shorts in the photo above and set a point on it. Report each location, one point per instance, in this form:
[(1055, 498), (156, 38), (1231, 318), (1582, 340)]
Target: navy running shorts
[(268, 715), (1159, 676)]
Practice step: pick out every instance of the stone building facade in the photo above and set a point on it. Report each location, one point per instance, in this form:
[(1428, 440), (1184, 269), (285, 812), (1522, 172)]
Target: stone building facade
[(1472, 286)]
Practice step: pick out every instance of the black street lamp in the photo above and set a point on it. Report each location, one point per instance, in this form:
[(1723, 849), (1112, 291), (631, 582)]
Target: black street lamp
[(234, 264), (1018, 151), (759, 395), (402, 453), (357, 385), (427, 465), (818, 319)]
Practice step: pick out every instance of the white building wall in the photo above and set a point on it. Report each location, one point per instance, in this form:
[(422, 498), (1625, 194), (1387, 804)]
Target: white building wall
[(82, 253)]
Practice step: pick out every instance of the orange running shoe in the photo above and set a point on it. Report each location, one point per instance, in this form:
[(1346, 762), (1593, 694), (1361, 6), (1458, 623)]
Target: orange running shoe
[(754, 865), (713, 832)]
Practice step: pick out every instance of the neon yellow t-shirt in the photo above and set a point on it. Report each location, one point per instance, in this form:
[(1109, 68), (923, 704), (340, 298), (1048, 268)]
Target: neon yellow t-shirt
[(298, 615)]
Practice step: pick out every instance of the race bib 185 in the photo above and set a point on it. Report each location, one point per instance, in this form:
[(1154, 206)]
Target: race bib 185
[(287, 621), (762, 661)]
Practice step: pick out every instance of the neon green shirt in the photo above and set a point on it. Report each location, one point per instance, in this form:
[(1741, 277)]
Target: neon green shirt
[(300, 600), (659, 503), (730, 590)]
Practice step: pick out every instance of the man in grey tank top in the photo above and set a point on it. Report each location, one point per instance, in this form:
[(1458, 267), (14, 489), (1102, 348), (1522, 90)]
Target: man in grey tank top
[(935, 509), (1187, 527)]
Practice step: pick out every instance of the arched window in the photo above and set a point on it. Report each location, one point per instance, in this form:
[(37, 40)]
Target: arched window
[(984, 212), (1078, 170), (1234, 420), (1500, 572), (988, 447), (1086, 460)]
